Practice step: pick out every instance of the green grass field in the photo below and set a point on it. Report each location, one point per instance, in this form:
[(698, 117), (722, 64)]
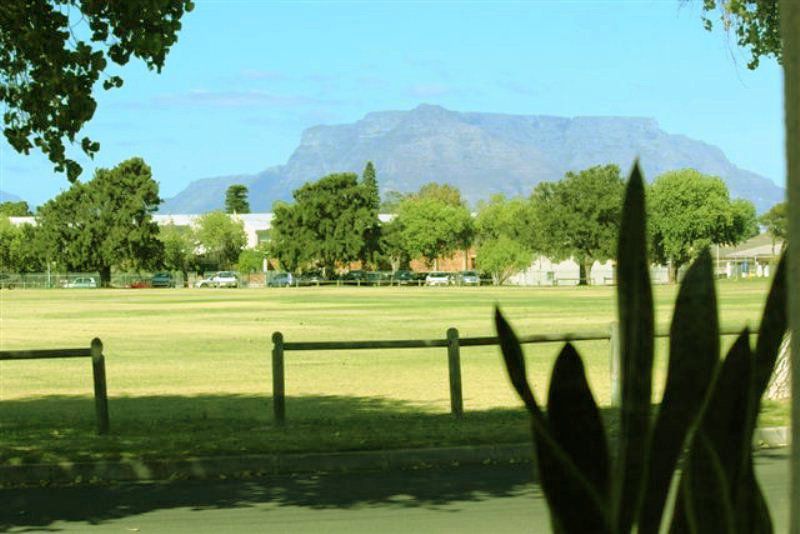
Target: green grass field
[(189, 371)]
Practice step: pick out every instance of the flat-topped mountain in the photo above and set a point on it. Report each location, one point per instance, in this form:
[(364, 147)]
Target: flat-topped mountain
[(480, 153)]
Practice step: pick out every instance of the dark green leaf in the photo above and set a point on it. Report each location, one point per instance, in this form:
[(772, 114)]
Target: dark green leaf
[(574, 503), (515, 361), (575, 420), (693, 357), (714, 470), (635, 304)]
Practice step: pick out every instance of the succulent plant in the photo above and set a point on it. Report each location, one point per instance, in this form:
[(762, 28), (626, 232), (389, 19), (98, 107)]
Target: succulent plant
[(704, 422)]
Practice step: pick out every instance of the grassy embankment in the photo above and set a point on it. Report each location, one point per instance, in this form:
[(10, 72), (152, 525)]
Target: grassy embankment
[(189, 372)]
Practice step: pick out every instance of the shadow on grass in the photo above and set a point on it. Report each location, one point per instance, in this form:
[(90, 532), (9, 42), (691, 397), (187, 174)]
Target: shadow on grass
[(61, 429)]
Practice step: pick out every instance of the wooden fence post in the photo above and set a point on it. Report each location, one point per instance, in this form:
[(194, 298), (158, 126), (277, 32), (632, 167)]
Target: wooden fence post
[(278, 391), (100, 393), (454, 365), (614, 363)]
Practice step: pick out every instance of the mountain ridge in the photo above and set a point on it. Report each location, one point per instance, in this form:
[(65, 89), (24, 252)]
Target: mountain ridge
[(480, 153)]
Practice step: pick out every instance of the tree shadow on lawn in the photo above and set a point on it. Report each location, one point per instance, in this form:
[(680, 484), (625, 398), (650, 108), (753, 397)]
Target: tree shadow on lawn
[(61, 429), (56, 429)]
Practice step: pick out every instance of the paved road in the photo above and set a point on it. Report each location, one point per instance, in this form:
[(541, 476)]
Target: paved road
[(492, 498)]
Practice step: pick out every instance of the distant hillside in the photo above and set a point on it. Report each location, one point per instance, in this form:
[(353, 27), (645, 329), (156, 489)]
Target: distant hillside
[(8, 197), (481, 153)]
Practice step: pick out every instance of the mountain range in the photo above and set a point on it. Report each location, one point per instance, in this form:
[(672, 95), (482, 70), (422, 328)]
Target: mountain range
[(8, 197), (480, 153)]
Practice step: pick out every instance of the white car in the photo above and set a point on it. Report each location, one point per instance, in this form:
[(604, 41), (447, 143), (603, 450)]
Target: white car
[(220, 279), (437, 279), (82, 282)]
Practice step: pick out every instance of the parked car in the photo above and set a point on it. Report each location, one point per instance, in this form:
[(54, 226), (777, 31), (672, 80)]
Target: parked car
[(207, 281), (311, 278), (438, 279), (355, 277), (220, 279), (376, 278), (81, 282), (403, 278), (140, 283), (162, 280), (225, 279), (8, 280), (469, 278), (281, 280)]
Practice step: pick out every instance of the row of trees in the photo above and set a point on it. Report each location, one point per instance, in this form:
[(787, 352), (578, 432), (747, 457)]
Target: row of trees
[(334, 222), (107, 223)]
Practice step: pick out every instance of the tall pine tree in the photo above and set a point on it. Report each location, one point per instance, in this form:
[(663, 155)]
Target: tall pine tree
[(372, 234), (236, 199)]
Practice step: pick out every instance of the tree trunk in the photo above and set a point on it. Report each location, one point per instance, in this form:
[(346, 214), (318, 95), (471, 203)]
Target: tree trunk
[(779, 387), (672, 272), (466, 259), (587, 271), (584, 271), (790, 21), (105, 276)]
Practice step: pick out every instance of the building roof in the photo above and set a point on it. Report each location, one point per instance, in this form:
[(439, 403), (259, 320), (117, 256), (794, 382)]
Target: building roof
[(759, 246)]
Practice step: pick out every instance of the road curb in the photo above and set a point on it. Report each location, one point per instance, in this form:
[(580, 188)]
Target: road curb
[(261, 465), (283, 464)]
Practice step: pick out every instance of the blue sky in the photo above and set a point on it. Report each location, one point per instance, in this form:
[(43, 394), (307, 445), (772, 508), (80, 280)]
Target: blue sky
[(247, 77)]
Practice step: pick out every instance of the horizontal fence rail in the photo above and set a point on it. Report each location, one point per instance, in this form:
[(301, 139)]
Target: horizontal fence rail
[(453, 343), (95, 352)]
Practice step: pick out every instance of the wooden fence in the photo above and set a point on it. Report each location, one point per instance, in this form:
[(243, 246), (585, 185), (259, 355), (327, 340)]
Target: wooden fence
[(95, 352), (453, 343)]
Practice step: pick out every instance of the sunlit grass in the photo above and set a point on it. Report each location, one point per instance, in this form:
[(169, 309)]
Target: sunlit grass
[(195, 362)]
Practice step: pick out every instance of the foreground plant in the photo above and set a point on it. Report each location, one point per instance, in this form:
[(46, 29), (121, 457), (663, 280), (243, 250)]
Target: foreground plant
[(707, 414)]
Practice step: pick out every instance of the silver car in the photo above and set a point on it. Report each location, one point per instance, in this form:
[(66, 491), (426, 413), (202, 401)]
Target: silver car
[(438, 279), (84, 282)]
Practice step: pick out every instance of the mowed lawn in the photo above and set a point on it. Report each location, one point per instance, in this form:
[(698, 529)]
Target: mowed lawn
[(193, 365)]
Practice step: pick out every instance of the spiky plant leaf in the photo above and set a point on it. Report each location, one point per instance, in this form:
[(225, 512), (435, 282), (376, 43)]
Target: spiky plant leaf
[(635, 305), (693, 357), (575, 421), (565, 487), (713, 471)]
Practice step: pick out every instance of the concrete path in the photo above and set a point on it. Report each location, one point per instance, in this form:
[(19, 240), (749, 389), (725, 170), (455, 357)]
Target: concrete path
[(488, 498)]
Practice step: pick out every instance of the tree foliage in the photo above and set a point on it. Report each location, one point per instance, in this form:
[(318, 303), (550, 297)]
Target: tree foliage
[(502, 257), (756, 24), (222, 238), (15, 209), (236, 199), (776, 222), (433, 228), (506, 236), (688, 211), (446, 193), (180, 246), (391, 201), (251, 260), (513, 218), (393, 249), (20, 250), (326, 225), (50, 63), (579, 216), (104, 223)]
